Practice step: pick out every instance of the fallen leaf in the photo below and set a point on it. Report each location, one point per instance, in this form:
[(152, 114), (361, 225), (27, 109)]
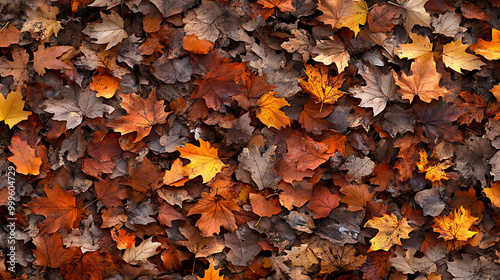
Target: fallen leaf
[(455, 57), (343, 13), (269, 112), (420, 48), (493, 193), (24, 157), (414, 13), (11, 109), (50, 252), (323, 202), (110, 192), (204, 160), (141, 253), (104, 84), (264, 206), (301, 256), (336, 258), (110, 31), (331, 51), (380, 18), (215, 212), (260, 166), (433, 172), (123, 239), (47, 59), (390, 231), (211, 274), (42, 22), (243, 245), (455, 226), (283, 5), (9, 35), (18, 67), (489, 49), (322, 87), (356, 196)]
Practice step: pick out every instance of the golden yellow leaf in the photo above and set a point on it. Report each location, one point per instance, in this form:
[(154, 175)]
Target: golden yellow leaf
[(456, 225), (11, 109), (455, 57), (496, 92), (323, 87), (211, 274), (390, 231), (42, 22), (419, 48), (204, 160), (493, 193), (343, 13), (269, 112), (433, 172), (490, 50)]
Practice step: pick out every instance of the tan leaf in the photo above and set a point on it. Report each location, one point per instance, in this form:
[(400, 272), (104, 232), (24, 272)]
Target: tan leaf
[(455, 57), (110, 31)]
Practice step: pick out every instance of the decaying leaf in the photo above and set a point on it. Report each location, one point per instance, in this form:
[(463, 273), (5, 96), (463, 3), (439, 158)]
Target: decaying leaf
[(391, 230)]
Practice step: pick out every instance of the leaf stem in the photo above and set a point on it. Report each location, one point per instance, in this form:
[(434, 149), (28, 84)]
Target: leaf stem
[(5, 26), (90, 204)]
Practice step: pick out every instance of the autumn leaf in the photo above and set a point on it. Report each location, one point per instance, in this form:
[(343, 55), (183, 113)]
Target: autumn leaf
[(433, 172), (211, 274), (380, 18), (24, 157), (110, 31), (144, 176), (11, 108), (94, 265), (42, 22), (17, 68), (456, 225), (343, 13), (143, 114), (331, 51), (455, 57), (420, 48), (390, 231), (141, 253), (9, 35), (264, 206), (283, 5), (59, 208), (50, 252), (204, 160), (123, 239), (47, 59), (193, 44), (197, 244), (322, 87), (493, 193), (104, 84), (269, 112), (424, 82), (356, 196), (414, 13), (489, 49), (215, 212), (110, 192), (323, 202), (301, 256), (167, 214), (336, 258)]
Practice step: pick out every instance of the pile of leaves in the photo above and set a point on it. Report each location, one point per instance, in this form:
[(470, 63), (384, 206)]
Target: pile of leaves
[(242, 139)]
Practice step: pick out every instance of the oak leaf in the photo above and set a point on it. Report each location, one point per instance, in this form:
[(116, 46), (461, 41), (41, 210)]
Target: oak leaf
[(455, 57), (424, 82), (18, 67), (59, 208), (211, 274), (489, 49), (323, 202), (50, 252), (143, 114), (42, 22), (110, 31), (269, 112), (493, 193), (390, 231), (456, 225), (322, 87), (47, 59), (343, 13), (11, 108), (215, 212), (141, 253), (204, 160), (24, 157)]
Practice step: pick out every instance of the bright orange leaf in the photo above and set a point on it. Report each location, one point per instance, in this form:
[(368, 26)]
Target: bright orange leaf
[(215, 212), (433, 172), (193, 44), (269, 112), (264, 207), (211, 274), (204, 160), (105, 84), (282, 5), (493, 193), (24, 157), (356, 196), (323, 202), (322, 87), (390, 231), (456, 225), (490, 50), (123, 239)]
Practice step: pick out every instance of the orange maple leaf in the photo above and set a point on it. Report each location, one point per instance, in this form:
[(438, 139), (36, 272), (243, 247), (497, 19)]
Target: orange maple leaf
[(390, 231), (123, 239), (283, 5), (110, 192), (433, 172), (424, 82), (322, 87), (49, 251), (105, 84), (11, 108), (143, 114), (323, 202), (211, 274), (491, 49), (24, 157), (343, 13), (47, 59), (59, 208), (193, 44), (215, 212), (263, 206), (356, 196), (204, 160), (456, 225), (493, 193), (269, 112)]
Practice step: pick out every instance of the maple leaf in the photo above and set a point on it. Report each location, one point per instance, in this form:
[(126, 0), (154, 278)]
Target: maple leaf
[(493, 193), (9, 35), (433, 172), (110, 31), (414, 13), (283, 5), (269, 112), (104, 84), (420, 48), (24, 157), (301, 256), (406, 262), (331, 51), (167, 214), (323, 202), (141, 253), (390, 231), (17, 68), (215, 212), (468, 268), (356, 196), (49, 251), (322, 87), (59, 208), (380, 18), (47, 59), (379, 89), (95, 265), (243, 245), (343, 13), (455, 57), (424, 82), (211, 274), (336, 258), (123, 239), (144, 177), (489, 49), (260, 166), (264, 206), (110, 192), (11, 109), (204, 160), (301, 43), (437, 120), (42, 22), (456, 225), (197, 244), (143, 114)]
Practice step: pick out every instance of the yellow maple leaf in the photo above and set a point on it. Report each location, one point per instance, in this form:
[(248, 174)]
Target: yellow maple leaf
[(343, 13), (390, 231), (490, 50), (323, 87), (419, 48), (269, 112), (11, 109), (456, 225), (455, 57), (211, 273), (433, 172), (204, 160), (493, 193)]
